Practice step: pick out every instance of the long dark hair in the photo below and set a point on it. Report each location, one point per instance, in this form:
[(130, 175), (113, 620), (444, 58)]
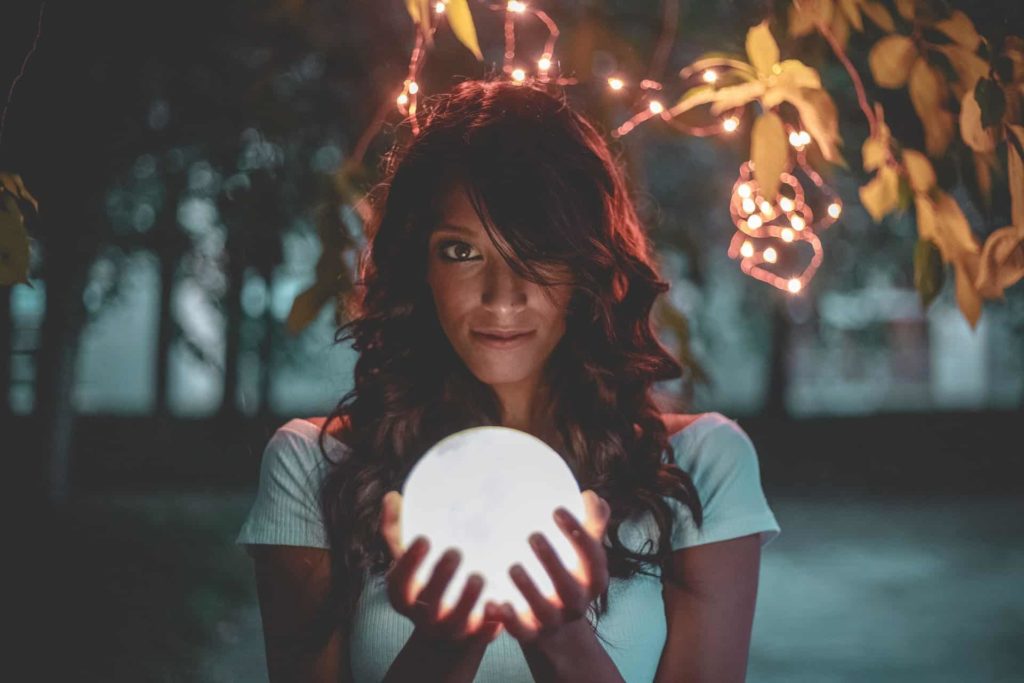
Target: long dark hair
[(541, 175)]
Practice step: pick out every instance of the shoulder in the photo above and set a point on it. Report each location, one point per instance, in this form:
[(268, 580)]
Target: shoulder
[(338, 429), (293, 454), (711, 446), (677, 422)]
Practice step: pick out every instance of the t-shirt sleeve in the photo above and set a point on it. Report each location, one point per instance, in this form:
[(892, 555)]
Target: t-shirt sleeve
[(286, 510), (723, 464)]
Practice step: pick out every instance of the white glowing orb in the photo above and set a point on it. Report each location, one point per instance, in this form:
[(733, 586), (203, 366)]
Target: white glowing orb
[(484, 490)]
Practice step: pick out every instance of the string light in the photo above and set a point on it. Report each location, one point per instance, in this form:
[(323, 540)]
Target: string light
[(786, 218)]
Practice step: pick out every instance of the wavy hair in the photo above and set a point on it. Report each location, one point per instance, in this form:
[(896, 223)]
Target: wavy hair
[(503, 142)]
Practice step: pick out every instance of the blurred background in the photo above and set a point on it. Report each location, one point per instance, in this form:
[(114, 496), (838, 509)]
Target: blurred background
[(192, 160)]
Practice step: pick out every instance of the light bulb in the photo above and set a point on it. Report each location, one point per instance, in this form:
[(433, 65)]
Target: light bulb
[(615, 83), (770, 255), (743, 191), (484, 490), (794, 285), (755, 222), (798, 222), (787, 235), (834, 209), (402, 99), (786, 204), (747, 250), (439, 8), (518, 75), (543, 63), (516, 6), (656, 107), (748, 206), (730, 124), (414, 88), (710, 76)]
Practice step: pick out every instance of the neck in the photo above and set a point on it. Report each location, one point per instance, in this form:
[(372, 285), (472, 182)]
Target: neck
[(526, 407)]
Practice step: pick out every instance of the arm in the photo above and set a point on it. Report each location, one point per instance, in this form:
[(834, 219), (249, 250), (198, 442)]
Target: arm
[(292, 583), (710, 612), (575, 655)]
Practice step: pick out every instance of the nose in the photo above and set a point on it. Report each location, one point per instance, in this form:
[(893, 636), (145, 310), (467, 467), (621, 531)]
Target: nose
[(503, 289)]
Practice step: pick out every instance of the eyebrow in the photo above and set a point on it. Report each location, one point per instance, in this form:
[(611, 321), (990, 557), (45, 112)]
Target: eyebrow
[(452, 227)]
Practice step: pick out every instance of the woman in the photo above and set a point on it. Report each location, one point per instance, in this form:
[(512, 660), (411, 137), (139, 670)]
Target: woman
[(507, 214)]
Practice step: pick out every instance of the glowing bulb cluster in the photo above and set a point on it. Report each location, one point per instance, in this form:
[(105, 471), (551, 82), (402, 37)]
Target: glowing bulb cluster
[(783, 221)]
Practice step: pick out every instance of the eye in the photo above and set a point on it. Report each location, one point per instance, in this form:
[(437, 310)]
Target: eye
[(461, 248)]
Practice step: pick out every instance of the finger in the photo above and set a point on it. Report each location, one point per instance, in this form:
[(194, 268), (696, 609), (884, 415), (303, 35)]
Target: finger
[(400, 574), (458, 616), (389, 522), (523, 628), (544, 610), (596, 513), (430, 597), (590, 549), (571, 593)]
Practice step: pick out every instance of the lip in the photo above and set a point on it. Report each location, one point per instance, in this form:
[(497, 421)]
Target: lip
[(499, 343)]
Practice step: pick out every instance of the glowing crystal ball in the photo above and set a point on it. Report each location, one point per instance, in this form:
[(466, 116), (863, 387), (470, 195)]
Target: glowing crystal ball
[(485, 490)]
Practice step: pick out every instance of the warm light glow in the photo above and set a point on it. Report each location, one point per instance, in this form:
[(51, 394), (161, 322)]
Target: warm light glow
[(439, 8), (776, 69), (786, 204), (798, 222), (730, 124), (414, 88), (518, 75), (748, 206), (615, 83), (747, 250), (743, 191), (834, 209), (484, 490), (656, 107), (516, 6), (805, 138), (755, 221), (794, 139), (543, 63), (402, 99), (766, 208), (787, 235), (710, 76), (794, 285), (769, 255)]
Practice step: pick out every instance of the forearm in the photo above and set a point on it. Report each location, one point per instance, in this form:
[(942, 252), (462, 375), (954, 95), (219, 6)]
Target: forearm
[(574, 654), (425, 660)]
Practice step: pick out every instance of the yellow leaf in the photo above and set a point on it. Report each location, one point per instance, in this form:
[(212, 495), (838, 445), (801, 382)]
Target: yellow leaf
[(810, 12), (852, 12), (953, 230), (978, 138), (983, 164), (306, 307), (840, 29), (926, 229), (818, 116), (14, 244), (877, 13), (881, 195), (968, 66), (906, 9), (795, 74), (733, 96), (762, 50), (891, 59), (1002, 262), (461, 21), (960, 28), (967, 297), (919, 171), (12, 183), (769, 150), (419, 10), (927, 94), (874, 153), (1015, 171)]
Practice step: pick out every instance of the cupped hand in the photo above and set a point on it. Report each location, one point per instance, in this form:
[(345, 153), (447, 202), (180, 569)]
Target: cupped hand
[(574, 590), (422, 604)]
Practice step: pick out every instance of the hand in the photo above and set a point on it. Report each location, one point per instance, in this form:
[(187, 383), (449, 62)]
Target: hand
[(454, 626), (574, 591)]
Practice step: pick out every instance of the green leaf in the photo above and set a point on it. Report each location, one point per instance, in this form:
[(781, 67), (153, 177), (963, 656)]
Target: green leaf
[(769, 150), (14, 244), (461, 21), (928, 271)]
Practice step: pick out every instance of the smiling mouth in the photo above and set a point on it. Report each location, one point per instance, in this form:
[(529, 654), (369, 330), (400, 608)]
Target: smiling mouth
[(494, 340)]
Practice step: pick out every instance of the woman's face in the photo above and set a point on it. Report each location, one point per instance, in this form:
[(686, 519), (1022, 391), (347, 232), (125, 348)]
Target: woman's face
[(475, 289)]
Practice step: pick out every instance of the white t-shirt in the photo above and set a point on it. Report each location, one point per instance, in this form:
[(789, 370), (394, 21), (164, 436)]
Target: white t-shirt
[(714, 450)]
